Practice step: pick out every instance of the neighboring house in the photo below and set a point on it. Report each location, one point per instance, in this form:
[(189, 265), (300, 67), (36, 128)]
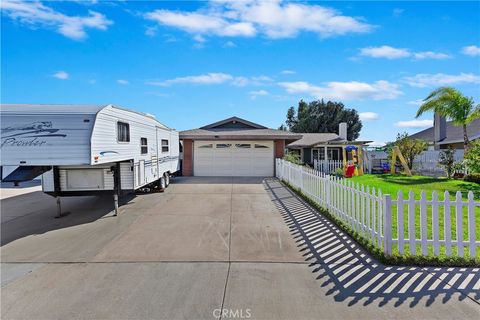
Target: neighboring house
[(444, 133), (233, 147), (323, 146)]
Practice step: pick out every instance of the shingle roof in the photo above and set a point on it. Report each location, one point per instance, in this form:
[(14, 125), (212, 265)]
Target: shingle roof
[(454, 133), (234, 119), (310, 139), (238, 134)]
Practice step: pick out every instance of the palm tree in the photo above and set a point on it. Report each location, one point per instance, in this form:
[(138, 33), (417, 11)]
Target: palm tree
[(451, 103)]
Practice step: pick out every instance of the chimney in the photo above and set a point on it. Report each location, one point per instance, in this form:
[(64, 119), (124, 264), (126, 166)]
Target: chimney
[(439, 128), (342, 131)]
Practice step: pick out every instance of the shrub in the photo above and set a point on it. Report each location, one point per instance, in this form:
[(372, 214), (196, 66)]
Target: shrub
[(472, 177), (293, 158), (447, 161), (338, 172)]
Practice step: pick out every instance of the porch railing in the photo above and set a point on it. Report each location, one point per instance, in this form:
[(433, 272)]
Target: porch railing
[(327, 166)]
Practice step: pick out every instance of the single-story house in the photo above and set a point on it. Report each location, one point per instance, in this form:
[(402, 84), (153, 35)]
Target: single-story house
[(323, 146), (233, 147), (444, 133)]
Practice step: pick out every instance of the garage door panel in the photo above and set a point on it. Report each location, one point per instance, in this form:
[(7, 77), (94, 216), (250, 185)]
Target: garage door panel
[(233, 158)]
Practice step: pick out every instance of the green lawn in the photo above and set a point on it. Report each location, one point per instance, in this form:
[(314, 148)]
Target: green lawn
[(392, 184)]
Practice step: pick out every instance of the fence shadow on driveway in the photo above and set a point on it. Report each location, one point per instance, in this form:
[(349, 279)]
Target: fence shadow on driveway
[(352, 275)]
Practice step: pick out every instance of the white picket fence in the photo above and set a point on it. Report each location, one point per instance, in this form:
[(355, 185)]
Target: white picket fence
[(327, 166), (370, 213)]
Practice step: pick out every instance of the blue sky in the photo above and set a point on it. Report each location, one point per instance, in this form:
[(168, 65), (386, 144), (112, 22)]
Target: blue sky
[(193, 63)]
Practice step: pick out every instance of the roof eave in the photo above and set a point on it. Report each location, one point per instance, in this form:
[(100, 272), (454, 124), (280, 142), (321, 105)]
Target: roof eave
[(238, 137)]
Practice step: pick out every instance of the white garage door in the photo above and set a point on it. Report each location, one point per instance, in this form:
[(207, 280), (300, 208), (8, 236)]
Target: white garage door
[(233, 158)]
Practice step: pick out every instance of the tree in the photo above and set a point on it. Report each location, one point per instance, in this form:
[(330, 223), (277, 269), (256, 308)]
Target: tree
[(323, 117), (410, 148), (451, 103), (472, 158), (447, 160)]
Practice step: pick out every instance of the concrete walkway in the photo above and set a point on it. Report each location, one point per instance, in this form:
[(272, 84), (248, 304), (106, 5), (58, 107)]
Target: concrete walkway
[(245, 245)]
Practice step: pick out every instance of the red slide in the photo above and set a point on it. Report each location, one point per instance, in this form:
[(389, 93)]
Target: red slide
[(350, 171)]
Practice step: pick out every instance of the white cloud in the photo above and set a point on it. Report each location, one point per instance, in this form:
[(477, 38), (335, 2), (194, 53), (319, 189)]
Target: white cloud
[(431, 55), (204, 79), (213, 79), (414, 124), (385, 52), (397, 12), (201, 24), (288, 72), (123, 82), (62, 75), (274, 19), (151, 31), (389, 52), (229, 44), (440, 79), (471, 51), (255, 94), (417, 102), (36, 14), (368, 116), (199, 38), (352, 90)]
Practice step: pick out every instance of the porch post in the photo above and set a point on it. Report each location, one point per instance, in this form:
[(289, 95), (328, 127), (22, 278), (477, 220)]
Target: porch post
[(326, 170)]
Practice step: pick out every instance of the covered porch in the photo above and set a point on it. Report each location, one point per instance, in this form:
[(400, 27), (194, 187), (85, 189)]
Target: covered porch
[(327, 158)]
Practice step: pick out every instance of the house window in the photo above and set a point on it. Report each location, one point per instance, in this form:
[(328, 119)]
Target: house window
[(123, 132), (223, 145), (143, 145), (206, 146), (260, 146), (164, 145), (243, 145), (332, 153)]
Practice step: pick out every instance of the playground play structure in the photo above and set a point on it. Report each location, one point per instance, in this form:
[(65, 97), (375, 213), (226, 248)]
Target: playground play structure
[(353, 161), (396, 153)]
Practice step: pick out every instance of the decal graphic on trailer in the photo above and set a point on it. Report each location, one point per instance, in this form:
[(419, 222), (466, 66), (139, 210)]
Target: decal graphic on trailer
[(34, 134)]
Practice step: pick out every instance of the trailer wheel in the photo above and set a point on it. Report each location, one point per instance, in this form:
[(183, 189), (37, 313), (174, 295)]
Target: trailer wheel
[(167, 179), (163, 185)]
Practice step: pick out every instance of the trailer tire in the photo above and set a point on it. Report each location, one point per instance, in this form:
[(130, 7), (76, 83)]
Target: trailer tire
[(163, 185), (167, 179)]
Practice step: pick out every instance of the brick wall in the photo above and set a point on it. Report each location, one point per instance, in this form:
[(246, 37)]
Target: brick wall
[(187, 165), (279, 148)]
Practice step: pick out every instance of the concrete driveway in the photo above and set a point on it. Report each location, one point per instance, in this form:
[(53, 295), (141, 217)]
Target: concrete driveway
[(247, 246)]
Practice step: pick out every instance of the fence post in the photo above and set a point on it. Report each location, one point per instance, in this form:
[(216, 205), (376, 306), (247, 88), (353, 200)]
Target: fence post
[(387, 224), (327, 191), (301, 178)]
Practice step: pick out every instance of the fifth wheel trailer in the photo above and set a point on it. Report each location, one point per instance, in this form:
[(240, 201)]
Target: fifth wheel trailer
[(85, 150)]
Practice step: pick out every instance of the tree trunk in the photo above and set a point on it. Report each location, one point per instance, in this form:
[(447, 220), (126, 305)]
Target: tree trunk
[(465, 138)]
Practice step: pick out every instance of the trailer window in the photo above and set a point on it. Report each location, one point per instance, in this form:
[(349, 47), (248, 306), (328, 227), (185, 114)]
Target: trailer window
[(123, 132), (143, 145), (164, 145)]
